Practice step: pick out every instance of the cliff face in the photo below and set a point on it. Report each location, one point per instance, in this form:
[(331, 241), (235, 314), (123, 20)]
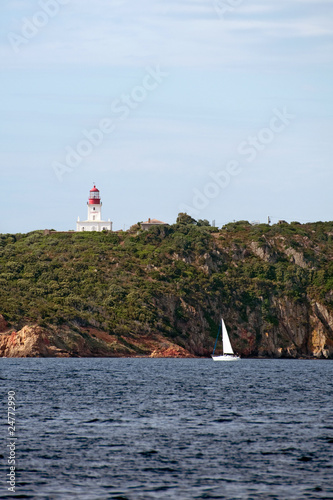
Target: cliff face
[(161, 293), (30, 342), (34, 341), (302, 331)]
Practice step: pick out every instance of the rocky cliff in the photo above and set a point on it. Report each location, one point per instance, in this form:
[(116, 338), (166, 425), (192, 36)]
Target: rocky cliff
[(35, 341), (161, 293)]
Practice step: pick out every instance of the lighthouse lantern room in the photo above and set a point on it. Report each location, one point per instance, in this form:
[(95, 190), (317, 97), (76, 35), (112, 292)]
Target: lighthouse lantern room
[(94, 221)]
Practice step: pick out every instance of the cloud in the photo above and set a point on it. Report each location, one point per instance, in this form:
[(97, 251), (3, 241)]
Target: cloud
[(184, 34)]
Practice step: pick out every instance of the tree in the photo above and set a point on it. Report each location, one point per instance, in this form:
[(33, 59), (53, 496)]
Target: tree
[(185, 219), (203, 222)]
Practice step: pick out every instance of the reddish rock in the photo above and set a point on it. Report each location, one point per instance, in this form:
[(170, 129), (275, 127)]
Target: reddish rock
[(171, 351), (30, 342)]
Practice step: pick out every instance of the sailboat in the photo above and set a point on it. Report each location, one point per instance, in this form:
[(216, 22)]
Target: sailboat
[(227, 350)]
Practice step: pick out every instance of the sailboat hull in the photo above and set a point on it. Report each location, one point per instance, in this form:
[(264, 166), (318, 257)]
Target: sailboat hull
[(226, 357)]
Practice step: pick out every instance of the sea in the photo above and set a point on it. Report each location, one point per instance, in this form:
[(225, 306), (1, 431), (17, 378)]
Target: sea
[(142, 428)]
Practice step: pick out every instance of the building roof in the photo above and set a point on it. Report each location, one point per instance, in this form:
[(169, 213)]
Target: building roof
[(94, 190), (153, 221)]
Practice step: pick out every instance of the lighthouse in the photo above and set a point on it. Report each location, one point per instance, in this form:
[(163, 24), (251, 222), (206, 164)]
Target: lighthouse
[(94, 221)]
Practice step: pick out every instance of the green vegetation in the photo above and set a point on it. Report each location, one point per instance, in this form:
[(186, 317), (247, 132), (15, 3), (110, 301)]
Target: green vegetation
[(171, 279)]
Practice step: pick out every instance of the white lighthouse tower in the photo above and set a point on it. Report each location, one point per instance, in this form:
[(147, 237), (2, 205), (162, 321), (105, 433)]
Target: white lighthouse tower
[(94, 221)]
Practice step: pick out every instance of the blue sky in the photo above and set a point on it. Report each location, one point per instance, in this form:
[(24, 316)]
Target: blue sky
[(225, 71)]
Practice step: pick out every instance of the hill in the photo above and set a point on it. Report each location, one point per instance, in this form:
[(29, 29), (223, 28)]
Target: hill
[(161, 292)]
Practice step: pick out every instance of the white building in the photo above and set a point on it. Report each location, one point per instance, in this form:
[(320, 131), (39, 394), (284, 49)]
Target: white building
[(94, 221)]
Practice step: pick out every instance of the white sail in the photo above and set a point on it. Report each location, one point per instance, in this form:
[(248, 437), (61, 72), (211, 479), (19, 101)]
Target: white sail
[(228, 352), (227, 349)]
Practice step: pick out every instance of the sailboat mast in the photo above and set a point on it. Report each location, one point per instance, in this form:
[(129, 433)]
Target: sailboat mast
[(217, 336), (222, 326)]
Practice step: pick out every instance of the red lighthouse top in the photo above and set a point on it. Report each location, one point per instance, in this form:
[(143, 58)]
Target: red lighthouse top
[(94, 198)]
